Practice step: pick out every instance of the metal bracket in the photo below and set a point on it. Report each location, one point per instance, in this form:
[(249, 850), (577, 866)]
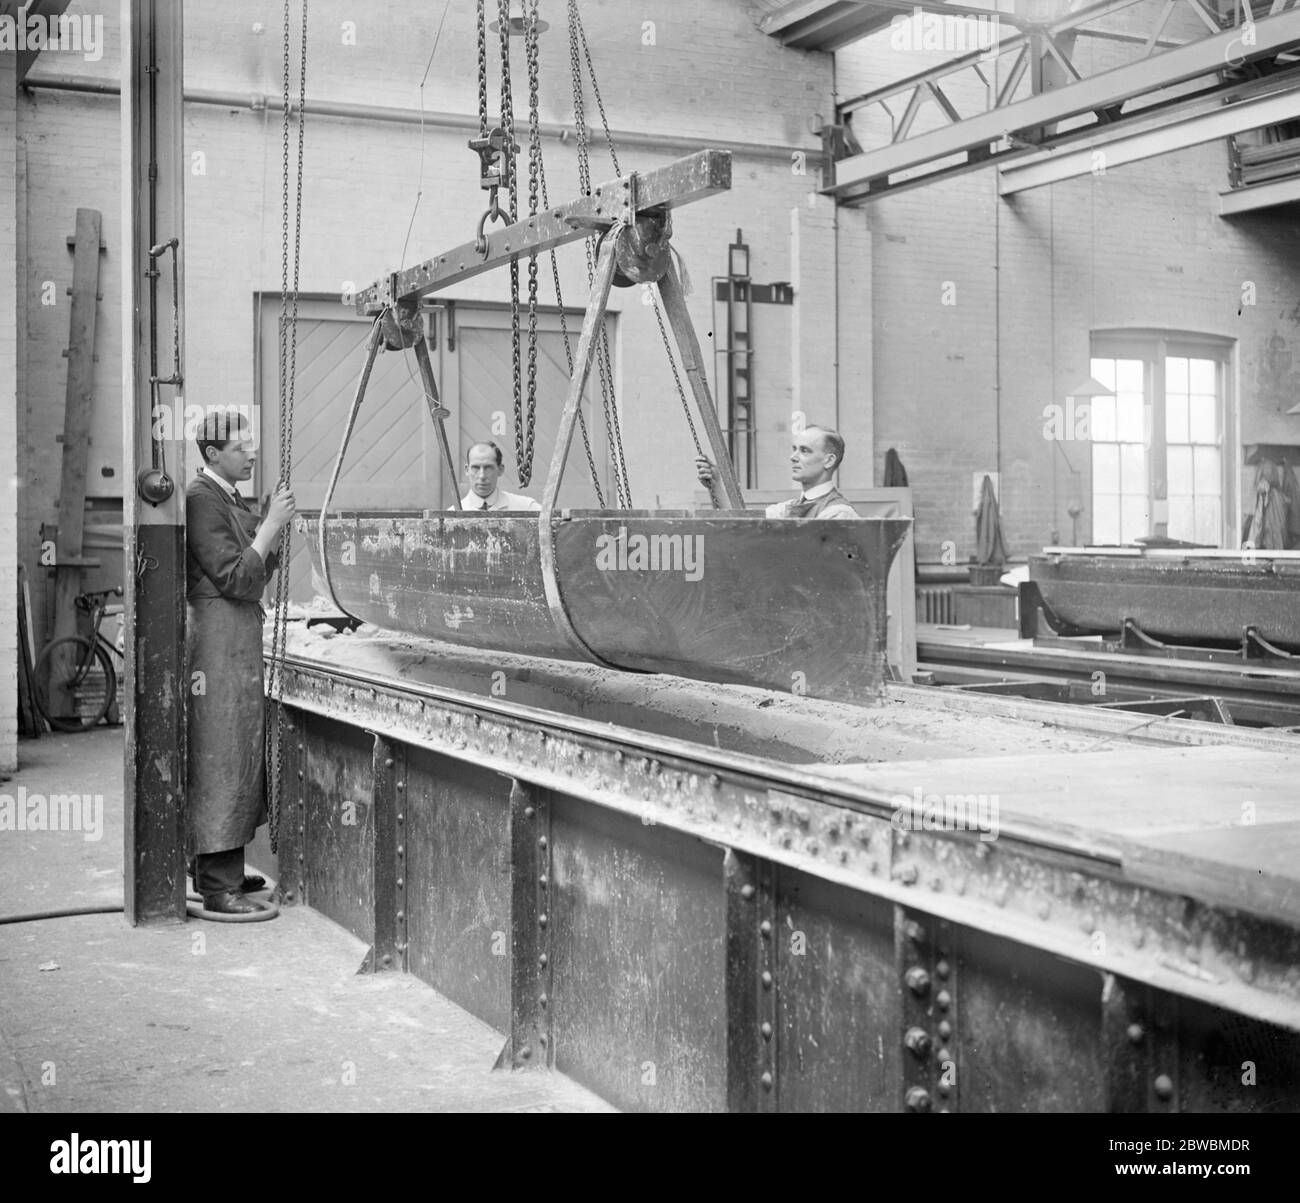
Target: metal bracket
[(496, 155)]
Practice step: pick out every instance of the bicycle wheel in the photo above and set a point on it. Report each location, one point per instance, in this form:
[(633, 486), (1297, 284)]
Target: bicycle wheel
[(80, 683)]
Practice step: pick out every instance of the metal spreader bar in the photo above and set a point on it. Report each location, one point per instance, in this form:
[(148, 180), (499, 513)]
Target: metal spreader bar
[(705, 173)]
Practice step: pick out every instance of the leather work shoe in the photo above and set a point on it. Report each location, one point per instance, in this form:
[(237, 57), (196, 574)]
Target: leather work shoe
[(253, 882), (231, 902)]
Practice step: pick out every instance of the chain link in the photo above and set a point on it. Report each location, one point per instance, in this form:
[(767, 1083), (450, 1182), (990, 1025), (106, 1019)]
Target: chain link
[(482, 71), (613, 433), (508, 129), (677, 380), (595, 91), (578, 37), (568, 351), (525, 458), (288, 380)]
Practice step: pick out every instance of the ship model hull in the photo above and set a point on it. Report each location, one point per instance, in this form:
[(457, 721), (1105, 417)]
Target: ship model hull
[(1178, 597), (785, 605)]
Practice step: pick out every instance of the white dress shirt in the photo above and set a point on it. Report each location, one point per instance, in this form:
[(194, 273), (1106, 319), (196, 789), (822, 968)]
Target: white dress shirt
[(782, 508), (499, 499), (222, 481)]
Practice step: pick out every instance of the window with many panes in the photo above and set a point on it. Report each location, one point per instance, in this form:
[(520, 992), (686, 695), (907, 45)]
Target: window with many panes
[(1158, 464)]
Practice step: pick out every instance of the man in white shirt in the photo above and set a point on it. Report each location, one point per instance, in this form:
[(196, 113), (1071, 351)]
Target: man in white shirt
[(483, 464), (815, 455)]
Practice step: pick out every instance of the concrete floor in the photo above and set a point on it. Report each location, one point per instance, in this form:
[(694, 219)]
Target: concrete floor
[(96, 1016)]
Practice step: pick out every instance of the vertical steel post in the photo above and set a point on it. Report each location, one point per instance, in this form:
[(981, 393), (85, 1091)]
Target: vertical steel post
[(152, 212)]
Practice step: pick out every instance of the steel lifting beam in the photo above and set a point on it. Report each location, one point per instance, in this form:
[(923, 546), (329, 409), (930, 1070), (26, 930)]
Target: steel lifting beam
[(692, 178)]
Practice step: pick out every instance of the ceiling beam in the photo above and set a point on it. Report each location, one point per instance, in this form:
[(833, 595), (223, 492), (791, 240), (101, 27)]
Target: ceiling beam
[(979, 134), (1260, 196), (1212, 121)]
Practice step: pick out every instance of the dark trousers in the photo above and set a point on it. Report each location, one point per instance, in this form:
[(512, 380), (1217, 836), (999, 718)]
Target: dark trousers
[(219, 872)]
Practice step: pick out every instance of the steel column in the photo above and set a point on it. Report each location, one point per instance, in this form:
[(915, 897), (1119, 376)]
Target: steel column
[(154, 596)]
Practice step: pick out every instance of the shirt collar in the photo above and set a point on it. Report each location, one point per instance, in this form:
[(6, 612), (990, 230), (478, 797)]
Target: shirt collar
[(818, 490), (225, 484), (472, 501)]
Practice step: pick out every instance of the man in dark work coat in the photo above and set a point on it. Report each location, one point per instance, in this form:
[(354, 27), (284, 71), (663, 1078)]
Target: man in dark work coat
[(229, 559)]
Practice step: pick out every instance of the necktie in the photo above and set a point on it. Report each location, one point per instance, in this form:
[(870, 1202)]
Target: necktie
[(801, 508), (240, 503), (485, 505)]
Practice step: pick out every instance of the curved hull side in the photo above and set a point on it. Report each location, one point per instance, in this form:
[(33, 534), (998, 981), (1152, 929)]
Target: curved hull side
[(782, 605), (779, 605)]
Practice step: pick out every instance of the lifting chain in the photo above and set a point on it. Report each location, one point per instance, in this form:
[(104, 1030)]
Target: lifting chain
[(482, 71), (288, 374), (508, 129), (613, 433), (578, 39), (568, 351), (524, 456)]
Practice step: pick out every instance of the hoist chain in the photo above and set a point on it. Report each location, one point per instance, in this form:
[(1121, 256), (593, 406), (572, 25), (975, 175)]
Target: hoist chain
[(677, 380), (508, 129), (288, 378), (568, 351), (524, 458), (578, 35), (482, 71), (613, 434), (595, 91)]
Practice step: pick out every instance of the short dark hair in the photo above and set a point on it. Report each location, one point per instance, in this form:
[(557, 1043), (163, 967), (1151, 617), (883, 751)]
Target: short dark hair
[(501, 463), (220, 427), (834, 442)]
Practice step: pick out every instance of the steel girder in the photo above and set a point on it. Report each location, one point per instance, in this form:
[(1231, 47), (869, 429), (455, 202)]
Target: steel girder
[(1010, 124)]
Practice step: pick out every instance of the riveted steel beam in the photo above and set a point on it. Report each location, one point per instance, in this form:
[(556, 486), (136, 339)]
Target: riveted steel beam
[(1071, 904)]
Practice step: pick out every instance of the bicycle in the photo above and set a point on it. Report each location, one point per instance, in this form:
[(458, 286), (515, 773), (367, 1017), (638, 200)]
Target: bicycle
[(64, 668)]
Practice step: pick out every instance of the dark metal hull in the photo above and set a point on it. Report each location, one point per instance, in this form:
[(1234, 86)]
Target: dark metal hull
[(782, 605), (1176, 597)]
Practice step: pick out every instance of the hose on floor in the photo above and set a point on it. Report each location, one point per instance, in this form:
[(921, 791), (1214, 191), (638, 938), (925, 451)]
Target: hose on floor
[(193, 907)]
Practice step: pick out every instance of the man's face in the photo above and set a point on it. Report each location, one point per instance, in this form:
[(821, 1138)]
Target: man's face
[(810, 462), (235, 460), (483, 470)]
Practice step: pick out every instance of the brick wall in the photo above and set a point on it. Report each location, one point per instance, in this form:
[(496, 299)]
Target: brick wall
[(8, 422)]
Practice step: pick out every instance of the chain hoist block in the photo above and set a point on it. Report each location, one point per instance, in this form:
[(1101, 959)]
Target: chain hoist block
[(400, 327), (496, 151), (643, 252)]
